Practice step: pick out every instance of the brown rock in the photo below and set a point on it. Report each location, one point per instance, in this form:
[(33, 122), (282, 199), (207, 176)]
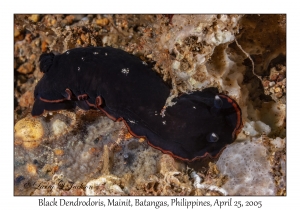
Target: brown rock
[(70, 19), (44, 46), (58, 152), (25, 68), (28, 38), (83, 37), (32, 57), (34, 18), (102, 22), (31, 168), (26, 99), (16, 31), (30, 131)]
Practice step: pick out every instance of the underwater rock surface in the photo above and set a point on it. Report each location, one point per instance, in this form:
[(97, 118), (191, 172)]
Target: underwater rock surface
[(70, 150)]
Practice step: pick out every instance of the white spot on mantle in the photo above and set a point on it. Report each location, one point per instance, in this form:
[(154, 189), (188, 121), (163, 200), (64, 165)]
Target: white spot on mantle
[(125, 71), (131, 121)]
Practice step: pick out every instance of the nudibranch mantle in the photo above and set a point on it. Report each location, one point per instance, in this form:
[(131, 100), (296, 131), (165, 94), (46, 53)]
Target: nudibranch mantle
[(200, 124)]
